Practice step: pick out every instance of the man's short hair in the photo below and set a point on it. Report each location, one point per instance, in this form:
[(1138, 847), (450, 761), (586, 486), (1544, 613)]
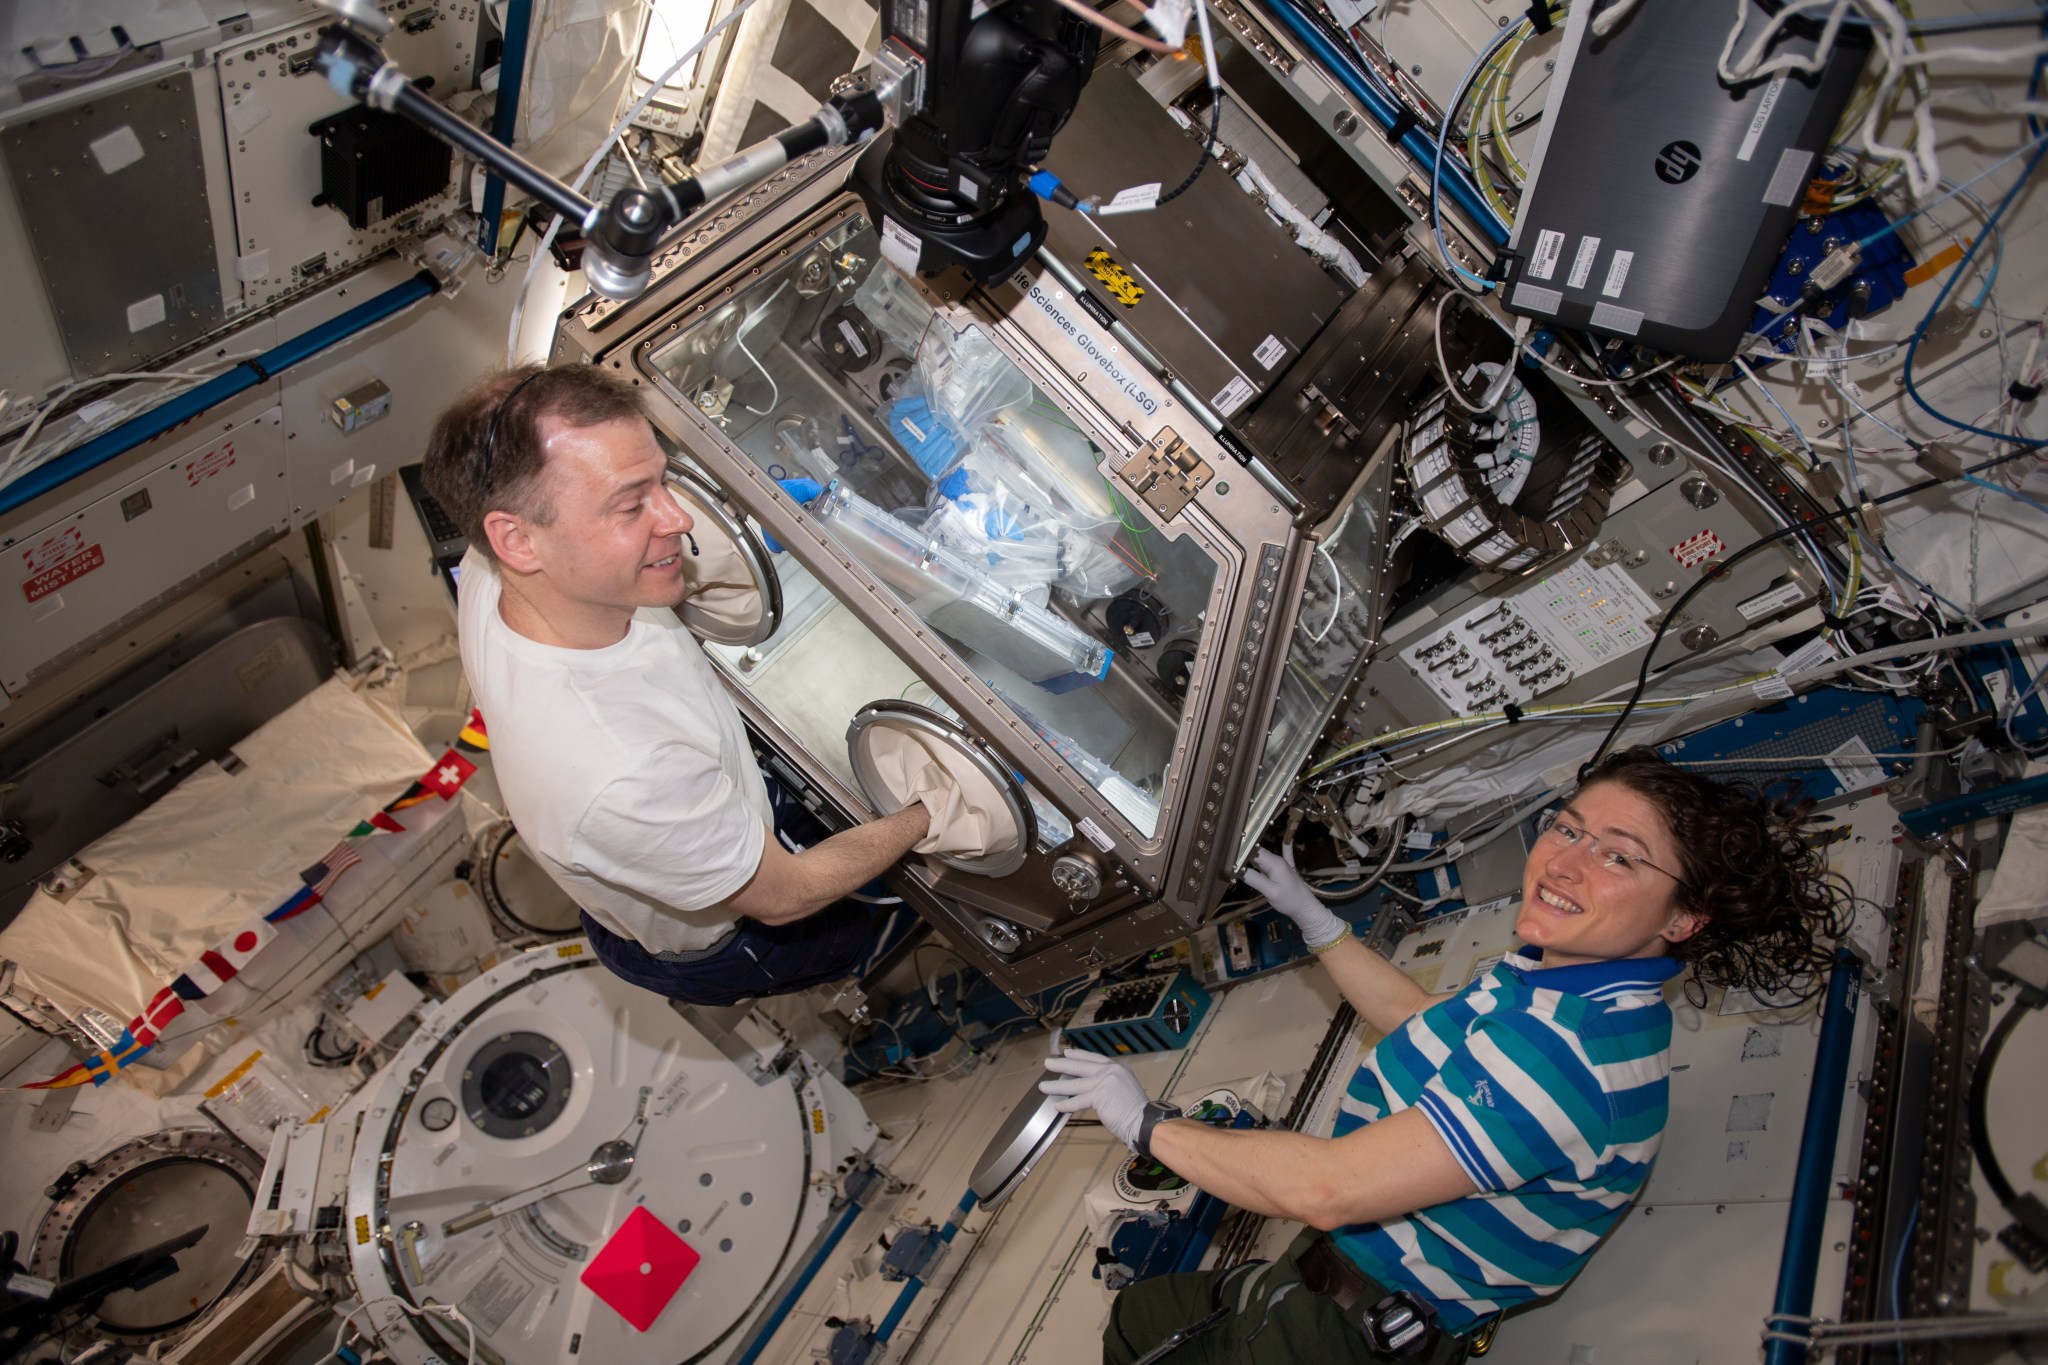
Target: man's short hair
[(472, 472)]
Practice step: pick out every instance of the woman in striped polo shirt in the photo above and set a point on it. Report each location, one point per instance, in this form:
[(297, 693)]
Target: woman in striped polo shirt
[(1496, 1133)]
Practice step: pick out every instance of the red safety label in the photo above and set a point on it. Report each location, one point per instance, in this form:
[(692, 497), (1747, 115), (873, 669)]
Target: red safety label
[(1696, 550), (201, 467), (41, 585), (51, 548)]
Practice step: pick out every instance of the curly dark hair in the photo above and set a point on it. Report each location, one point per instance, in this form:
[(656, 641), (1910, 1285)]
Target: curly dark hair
[(1768, 907)]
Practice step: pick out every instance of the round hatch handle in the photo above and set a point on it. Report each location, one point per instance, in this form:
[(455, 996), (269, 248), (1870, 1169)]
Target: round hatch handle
[(722, 534), (903, 715)]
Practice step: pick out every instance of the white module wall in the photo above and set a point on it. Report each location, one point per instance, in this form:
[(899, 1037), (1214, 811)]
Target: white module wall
[(215, 494), (271, 92)]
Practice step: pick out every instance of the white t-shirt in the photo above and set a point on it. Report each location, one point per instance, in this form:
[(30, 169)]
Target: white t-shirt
[(626, 768)]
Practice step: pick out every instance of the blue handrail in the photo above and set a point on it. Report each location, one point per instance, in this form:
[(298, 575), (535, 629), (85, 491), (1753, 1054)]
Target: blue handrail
[(1457, 183), (1813, 1182), (914, 1285), (764, 1332), (505, 121)]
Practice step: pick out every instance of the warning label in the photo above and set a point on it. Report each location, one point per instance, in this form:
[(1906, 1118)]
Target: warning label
[(491, 1301), (1696, 550), (202, 467), (1119, 282), (50, 549), (40, 585)]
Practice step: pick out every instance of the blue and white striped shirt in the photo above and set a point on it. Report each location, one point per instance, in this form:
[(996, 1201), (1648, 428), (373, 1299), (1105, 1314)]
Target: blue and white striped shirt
[(1550, 1086)]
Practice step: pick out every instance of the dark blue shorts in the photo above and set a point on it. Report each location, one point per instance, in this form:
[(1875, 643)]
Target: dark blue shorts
[(758, 959)]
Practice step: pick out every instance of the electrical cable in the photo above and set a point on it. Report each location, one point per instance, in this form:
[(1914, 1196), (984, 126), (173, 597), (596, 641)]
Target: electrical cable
[(1529, 350), (1956, 191), (321, 1058), (1910, 490), (2032, 1217), (1890, 29), (2012, 493), (1443, 365), (1814, 674), (1466, 845), (1215, 105), (1378, 874), (1114, 29), (1436, 166), (449, 1311), (740, 340), (18, 461), (1337, 603), (1208, 151), (1962, 269)]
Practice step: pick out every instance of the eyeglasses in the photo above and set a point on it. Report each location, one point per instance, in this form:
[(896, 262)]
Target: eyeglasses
[(1554, 825), (497, 416)]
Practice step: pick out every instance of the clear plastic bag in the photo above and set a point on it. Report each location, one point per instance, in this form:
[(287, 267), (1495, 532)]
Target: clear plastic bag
[(1016, 489), (897, 310), (1025, 534), (960, 384), (985, 525)]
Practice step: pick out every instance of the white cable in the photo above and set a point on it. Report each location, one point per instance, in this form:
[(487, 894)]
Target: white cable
[(1610, 18), (1444, 366), (618, 129), (1337, 604), (1576, 378), (450, 1311), (740, 340), (1933, 644), (15, 463), (1208, 46), (1458, 848), (1752, 65), (1891, 36), (1324, 246)]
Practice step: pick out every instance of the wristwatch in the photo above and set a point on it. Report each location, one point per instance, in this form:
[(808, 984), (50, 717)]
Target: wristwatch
[(1155, 1113)]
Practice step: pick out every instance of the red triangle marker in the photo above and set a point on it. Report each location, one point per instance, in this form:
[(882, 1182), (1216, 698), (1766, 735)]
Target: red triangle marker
[(640, 1268)]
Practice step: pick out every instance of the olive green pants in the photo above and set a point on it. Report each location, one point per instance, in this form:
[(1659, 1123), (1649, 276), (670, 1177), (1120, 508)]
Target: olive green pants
[(1272, 1320)]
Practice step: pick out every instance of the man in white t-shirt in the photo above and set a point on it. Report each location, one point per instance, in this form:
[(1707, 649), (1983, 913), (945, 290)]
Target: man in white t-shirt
[(620, 756)]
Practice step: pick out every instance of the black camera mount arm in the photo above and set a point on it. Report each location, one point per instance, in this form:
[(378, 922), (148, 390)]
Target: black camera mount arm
[(621, 235)]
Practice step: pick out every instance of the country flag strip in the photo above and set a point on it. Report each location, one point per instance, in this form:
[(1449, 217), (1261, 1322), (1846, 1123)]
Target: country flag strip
[(224, 961)]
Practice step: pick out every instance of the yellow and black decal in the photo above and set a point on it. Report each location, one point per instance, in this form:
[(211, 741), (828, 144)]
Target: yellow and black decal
[(1118, 281)]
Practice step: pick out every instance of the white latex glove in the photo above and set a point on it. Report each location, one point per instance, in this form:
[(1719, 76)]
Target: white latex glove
[(1271, 877), (1089, 1080)]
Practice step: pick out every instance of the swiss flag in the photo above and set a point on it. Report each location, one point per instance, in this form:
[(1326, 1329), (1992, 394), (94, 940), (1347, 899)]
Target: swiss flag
[(446, 777)]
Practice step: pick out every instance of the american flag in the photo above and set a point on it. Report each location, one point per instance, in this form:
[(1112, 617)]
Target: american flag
[(323, 875)]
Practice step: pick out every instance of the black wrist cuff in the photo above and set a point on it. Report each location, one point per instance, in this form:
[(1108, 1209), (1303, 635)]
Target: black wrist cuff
[(1156, 1112)]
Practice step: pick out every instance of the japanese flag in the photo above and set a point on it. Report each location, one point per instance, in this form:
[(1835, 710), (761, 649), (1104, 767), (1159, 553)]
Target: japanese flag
[(220, 964)]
